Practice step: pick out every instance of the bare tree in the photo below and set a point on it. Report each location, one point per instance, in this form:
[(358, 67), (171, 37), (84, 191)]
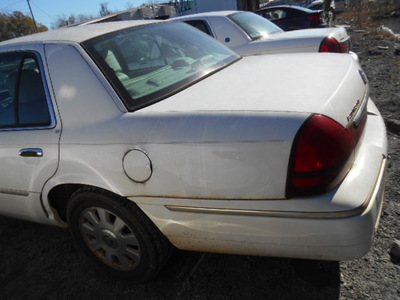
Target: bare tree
[(104, 11)]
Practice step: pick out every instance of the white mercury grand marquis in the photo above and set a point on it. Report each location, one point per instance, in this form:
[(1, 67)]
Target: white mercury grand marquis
[(140, 136), (247, 33)]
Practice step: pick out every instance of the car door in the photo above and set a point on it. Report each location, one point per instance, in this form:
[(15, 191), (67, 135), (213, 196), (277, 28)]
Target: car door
[(29, 134)]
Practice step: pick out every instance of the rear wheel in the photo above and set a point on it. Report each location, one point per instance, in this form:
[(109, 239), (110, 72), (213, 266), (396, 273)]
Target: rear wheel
[(116, 235)]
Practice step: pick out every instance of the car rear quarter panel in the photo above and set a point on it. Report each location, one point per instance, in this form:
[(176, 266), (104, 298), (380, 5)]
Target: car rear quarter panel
[(197, 155), (216, 156), (226, 32)]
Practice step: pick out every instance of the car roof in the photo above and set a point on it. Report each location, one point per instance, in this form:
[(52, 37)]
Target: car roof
[(77, 33), (220, 13), (286, 6)]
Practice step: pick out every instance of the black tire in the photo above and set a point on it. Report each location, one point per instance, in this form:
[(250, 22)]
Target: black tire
[(116, 235)]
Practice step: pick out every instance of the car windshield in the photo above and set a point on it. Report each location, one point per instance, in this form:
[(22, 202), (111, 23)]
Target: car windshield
[(146, 64), (255, 26)]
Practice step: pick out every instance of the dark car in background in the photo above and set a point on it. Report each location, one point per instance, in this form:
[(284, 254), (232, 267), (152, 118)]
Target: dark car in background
[(293, 17)]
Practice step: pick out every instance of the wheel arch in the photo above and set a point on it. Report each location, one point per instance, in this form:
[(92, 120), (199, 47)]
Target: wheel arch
[(59, 196), (59, 189)]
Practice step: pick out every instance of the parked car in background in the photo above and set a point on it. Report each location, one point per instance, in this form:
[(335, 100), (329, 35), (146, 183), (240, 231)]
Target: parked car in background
[(143, 135), (293, 17), (249, 34), (277, 2)]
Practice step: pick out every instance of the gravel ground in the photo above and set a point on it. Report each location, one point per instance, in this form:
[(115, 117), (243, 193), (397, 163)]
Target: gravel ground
[(41, 262), (377, 275)]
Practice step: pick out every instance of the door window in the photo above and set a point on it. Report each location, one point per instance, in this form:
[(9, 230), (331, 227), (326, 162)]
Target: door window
[(23, 101)]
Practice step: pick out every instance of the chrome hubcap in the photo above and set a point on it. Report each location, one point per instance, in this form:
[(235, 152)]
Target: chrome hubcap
[(110, 238)]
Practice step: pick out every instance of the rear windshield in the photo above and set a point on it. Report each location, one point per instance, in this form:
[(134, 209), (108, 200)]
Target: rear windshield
[(147, 63), (255, 26)]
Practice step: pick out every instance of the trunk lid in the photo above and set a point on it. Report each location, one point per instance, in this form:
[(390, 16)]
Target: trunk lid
[(328, 84), (339, 33), (295, 41)]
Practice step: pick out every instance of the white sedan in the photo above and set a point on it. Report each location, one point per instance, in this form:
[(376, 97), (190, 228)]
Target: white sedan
[(144, 135), (247, 33)]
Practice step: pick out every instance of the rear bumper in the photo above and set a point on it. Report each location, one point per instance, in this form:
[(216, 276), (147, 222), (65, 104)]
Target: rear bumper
[(342, 238), (354, 56), (338, 225)]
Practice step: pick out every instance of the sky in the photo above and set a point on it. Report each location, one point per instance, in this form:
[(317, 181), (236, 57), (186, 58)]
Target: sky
[(46, 12)]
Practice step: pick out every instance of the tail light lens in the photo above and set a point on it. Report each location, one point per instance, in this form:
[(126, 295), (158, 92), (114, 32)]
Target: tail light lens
[(315, 18), (330, 44), (322, 154)]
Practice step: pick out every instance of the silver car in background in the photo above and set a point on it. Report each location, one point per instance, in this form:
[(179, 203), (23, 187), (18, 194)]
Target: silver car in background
[(247, 33)]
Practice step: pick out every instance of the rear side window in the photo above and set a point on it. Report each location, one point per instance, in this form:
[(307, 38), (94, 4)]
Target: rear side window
[(276, 14), (146, 64), (253, 25), (201, 25), (23, 101)]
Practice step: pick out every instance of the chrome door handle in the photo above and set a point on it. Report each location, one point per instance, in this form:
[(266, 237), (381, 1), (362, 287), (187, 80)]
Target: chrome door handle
[(31, 152)]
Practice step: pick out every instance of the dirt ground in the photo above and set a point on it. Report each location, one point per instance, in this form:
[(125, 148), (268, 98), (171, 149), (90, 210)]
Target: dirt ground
[(41, 262), (377, 275)]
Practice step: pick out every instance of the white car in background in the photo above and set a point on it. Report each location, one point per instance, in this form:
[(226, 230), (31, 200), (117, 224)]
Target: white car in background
[(143, 135), (247, 33)]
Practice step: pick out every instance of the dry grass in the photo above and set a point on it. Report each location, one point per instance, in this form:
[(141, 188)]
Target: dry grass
[(367, 15), (383, 35)]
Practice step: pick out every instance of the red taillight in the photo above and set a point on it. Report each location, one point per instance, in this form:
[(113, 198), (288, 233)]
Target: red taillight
[(321, 156), (314, 18), (330, 44)]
